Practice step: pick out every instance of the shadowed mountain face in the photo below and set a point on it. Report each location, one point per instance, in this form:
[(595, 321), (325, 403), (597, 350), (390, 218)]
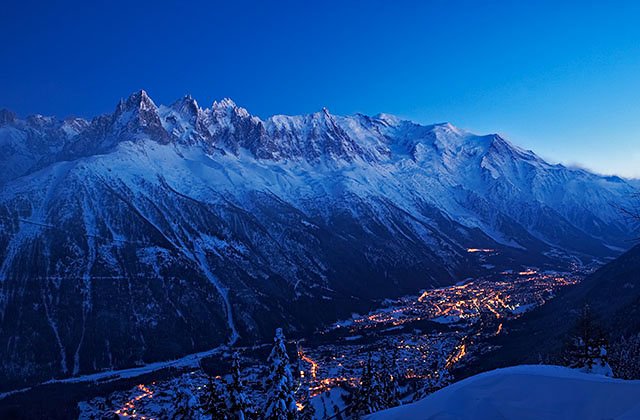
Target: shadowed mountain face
[(154, 232)]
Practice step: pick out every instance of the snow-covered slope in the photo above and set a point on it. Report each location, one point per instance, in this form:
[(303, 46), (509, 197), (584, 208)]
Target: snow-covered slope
[(157, 231), (527, 392)]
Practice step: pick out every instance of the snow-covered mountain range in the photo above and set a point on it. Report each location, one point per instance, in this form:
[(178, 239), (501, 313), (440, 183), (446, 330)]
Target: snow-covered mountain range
[(157, 231)]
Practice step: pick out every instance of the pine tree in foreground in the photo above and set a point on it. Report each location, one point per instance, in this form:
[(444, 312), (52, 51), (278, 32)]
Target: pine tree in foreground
[(368, 397), (625, 357), (182, 407), (238, 403), (389, 378), (438, 377), (377, 392), (281, 402), (213, 401), (587, 347)]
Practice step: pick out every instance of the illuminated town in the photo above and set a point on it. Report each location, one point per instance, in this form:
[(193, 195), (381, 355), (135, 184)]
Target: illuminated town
[(429, 336)]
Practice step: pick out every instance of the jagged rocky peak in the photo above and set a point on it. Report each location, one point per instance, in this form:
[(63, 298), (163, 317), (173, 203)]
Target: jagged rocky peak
[(227, 106), (188, 112), (40, 121), (139, 100), (232, 128), (74, 125), (187, 105), (224, 103), (138, 116), (185, 120), (323, 116), (226, 126), (7, 116), (138, 107)]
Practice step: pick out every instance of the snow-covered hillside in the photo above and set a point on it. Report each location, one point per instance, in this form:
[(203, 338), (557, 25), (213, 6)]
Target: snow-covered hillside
[(527, 392), (157, 231)]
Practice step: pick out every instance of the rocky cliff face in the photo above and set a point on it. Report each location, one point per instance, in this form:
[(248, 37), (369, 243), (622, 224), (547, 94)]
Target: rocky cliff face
[(158, 231)]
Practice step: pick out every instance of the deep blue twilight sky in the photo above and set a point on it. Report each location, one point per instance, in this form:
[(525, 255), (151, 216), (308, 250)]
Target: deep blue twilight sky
[(563, 80)]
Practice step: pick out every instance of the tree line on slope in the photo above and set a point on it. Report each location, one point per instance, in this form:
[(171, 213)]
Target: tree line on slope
[(381, 385), (587, 349), (223, 400)]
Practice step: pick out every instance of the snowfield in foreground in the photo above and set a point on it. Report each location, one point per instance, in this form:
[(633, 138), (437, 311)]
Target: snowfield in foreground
[(527, 392)]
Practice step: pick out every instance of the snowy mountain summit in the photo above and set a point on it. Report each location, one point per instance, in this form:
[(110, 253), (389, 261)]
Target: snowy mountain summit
[(157, 231)]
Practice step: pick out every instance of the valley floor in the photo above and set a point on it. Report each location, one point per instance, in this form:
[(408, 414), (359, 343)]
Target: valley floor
[(438, 331)]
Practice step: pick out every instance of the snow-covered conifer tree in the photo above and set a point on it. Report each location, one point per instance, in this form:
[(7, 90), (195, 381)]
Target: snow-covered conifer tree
[(368, 397), (625, 357), (438, 377), (238, 402), (213, 401), (587, 347), (389, 379), (183, 408), (281, 402)]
